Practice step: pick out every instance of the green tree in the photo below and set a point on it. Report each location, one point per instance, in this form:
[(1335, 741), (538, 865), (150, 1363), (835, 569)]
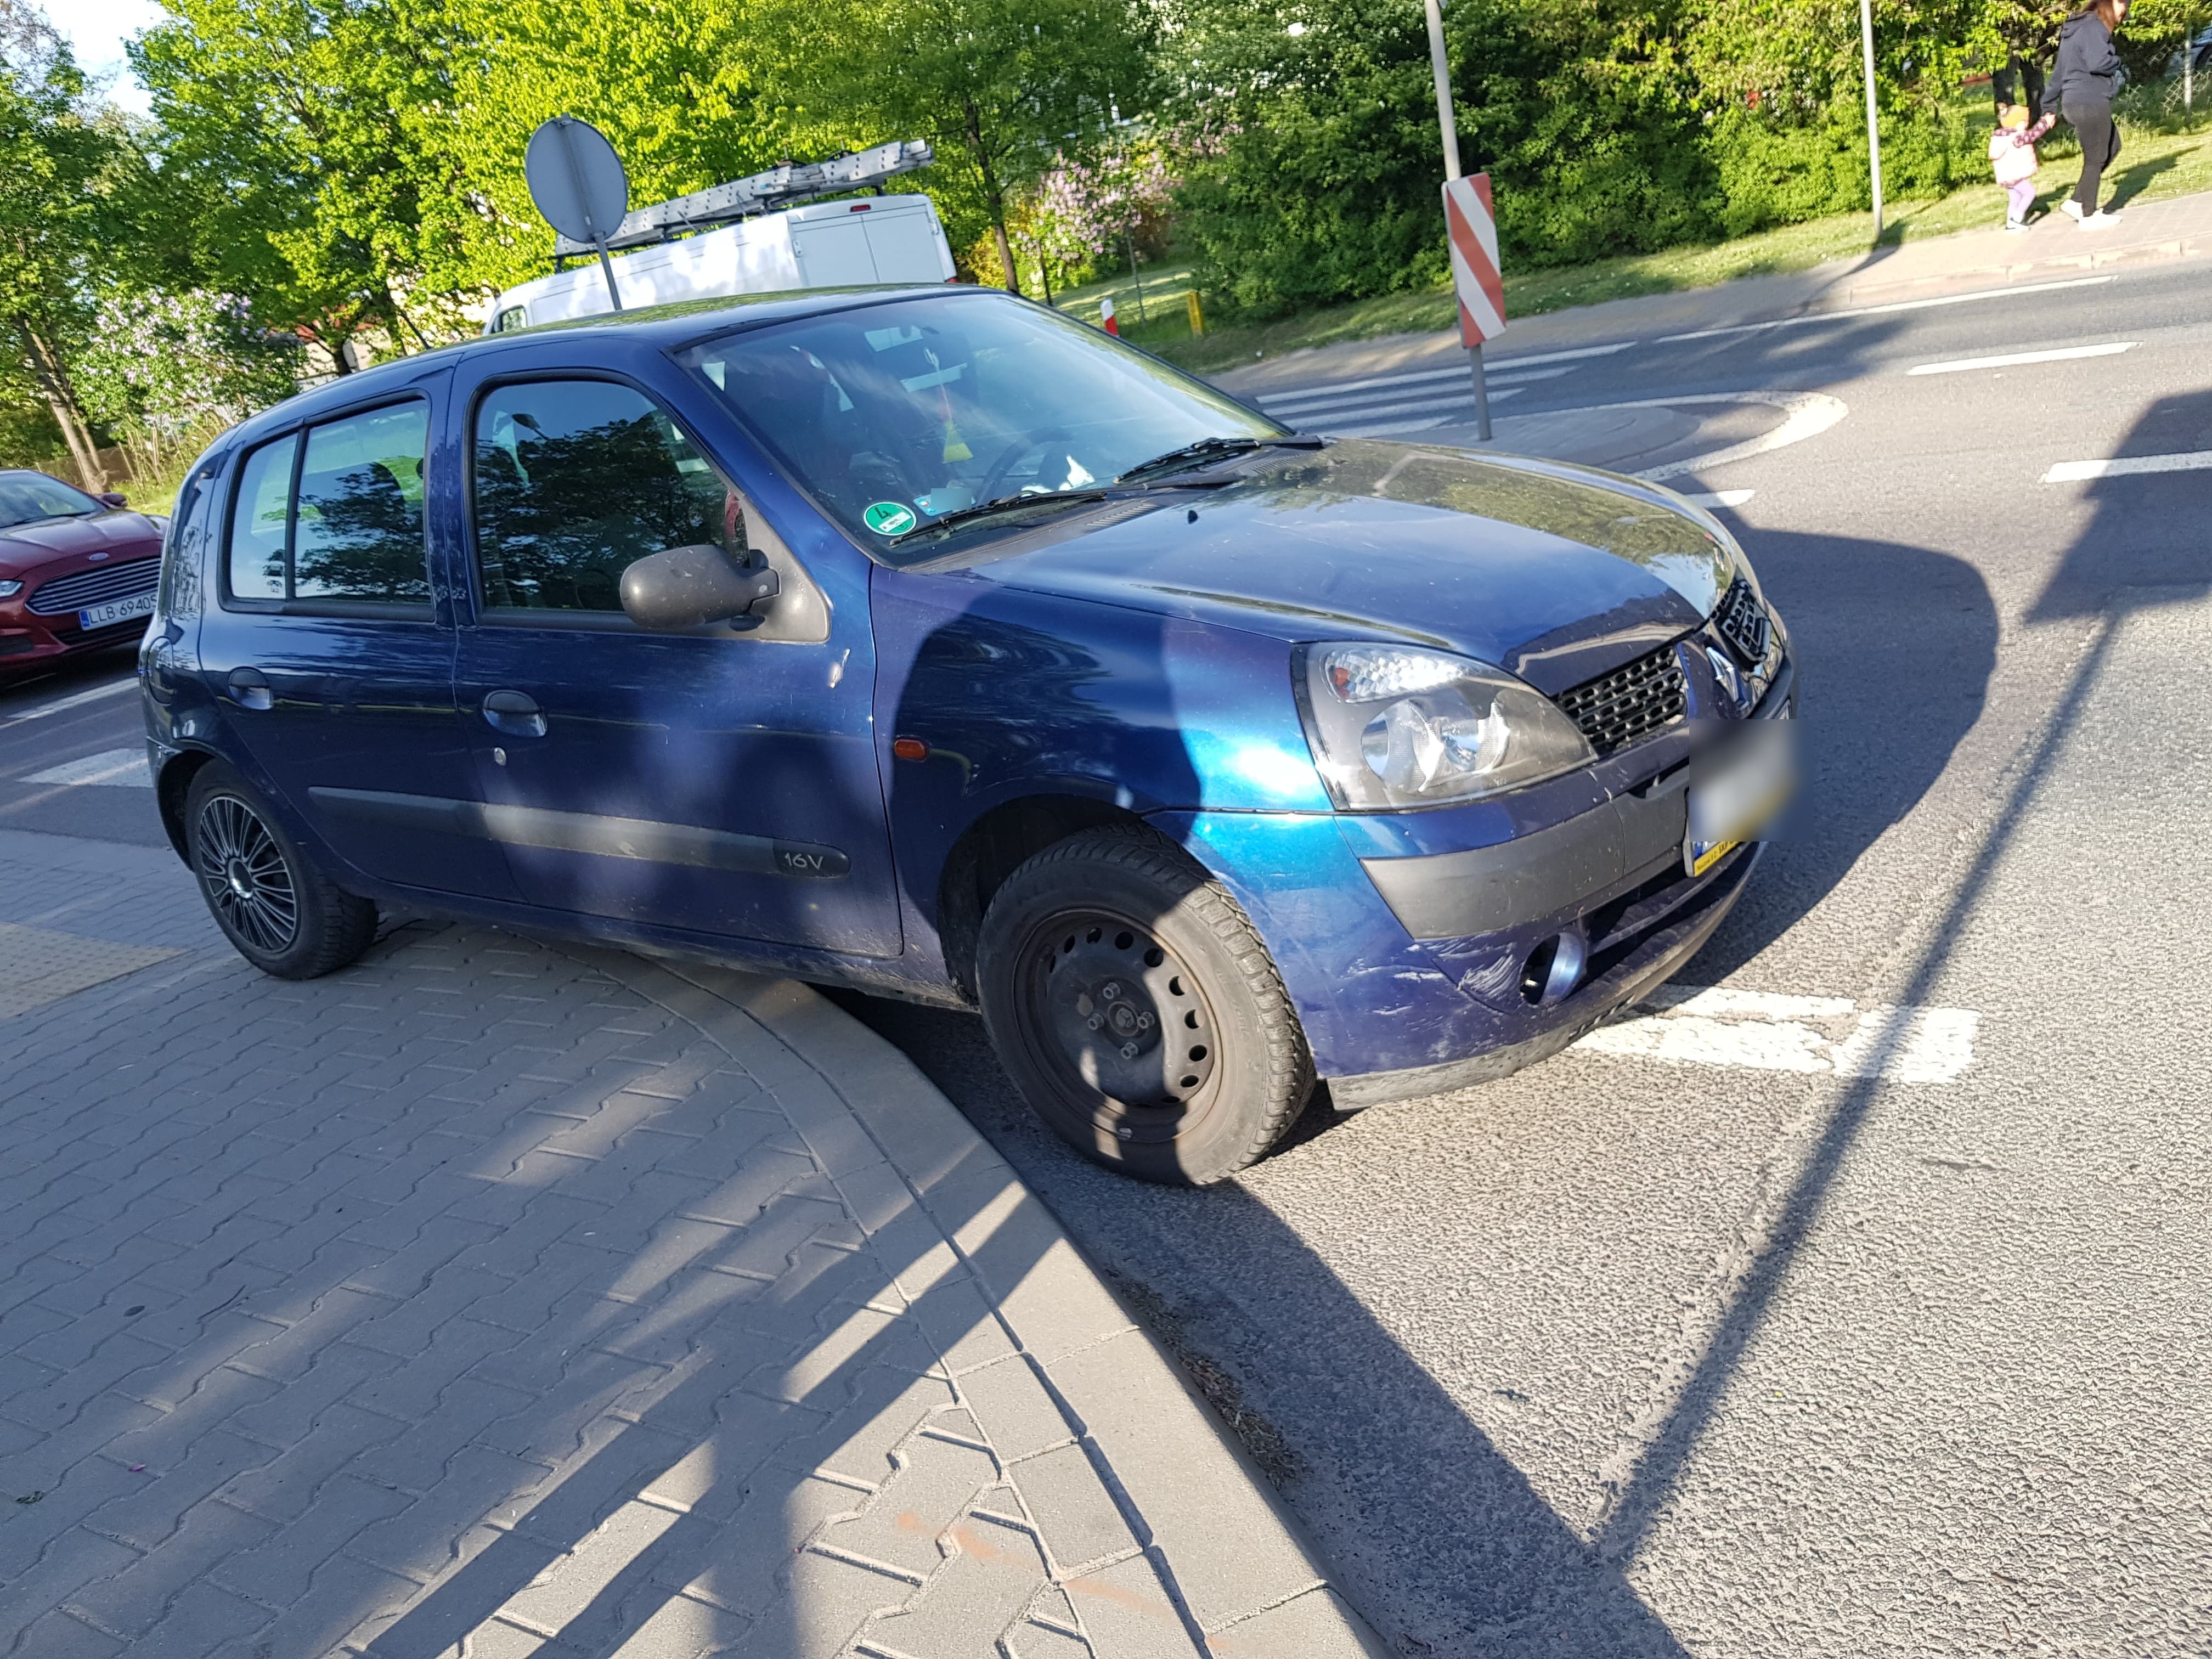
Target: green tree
[(307, 158), (686, 94), (57, 158), (995, 85)]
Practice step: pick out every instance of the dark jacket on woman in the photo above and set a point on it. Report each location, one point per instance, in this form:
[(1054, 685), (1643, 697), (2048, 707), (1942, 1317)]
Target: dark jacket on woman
[(2088, 70)]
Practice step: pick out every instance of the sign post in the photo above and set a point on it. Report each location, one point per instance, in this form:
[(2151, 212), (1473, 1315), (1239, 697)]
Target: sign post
[(578, 183), (1471, 229)]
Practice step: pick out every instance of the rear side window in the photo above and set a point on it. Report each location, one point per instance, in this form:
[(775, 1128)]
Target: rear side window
[(259, 521), (335, 515), (575, 480), (359, 532)]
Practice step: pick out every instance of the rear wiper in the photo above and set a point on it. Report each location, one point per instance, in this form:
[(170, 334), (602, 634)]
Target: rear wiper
[(1206, 449), (997, 506)]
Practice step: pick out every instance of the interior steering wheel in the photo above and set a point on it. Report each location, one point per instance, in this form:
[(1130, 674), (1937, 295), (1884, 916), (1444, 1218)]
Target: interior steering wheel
[(988, 490)]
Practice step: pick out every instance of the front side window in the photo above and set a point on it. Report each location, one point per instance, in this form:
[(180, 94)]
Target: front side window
[(575, 480), (335, 515), (895, 415)]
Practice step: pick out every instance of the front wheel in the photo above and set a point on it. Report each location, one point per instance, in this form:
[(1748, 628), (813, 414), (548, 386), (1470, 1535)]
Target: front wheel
[(279, 911), (1135, 1006)]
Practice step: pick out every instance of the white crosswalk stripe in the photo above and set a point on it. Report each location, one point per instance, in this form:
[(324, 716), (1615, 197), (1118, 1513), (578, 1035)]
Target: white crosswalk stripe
[(124, 767), (1384, 405), (1762, 1031)]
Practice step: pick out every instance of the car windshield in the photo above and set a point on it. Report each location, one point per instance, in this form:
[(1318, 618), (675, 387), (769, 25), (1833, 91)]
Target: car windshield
[(894, 416), (28, 497)]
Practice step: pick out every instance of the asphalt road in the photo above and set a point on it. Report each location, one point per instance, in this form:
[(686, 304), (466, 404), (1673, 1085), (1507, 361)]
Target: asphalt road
[(1655, 1349), (1772, 1324)]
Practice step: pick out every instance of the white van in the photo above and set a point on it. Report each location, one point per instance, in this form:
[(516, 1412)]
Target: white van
[(882, 239)]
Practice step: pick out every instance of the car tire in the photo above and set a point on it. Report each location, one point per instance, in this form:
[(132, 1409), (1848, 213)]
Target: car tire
[(280, 912), (1138, 1009)]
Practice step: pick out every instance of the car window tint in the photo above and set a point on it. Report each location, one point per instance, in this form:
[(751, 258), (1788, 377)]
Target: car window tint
[(259, 520), (360, 511), (575, 480)]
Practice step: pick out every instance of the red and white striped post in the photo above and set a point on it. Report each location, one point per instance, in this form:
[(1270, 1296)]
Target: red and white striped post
[(1471, 228)]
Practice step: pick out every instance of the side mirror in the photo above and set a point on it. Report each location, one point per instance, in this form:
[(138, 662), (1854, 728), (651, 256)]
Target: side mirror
[(111, 498), (691, 587)]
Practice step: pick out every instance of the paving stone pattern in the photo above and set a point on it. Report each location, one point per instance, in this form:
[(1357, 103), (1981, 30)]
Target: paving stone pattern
[(491, 1298)]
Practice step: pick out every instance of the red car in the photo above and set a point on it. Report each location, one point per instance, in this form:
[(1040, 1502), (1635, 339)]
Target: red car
[(77, 572)]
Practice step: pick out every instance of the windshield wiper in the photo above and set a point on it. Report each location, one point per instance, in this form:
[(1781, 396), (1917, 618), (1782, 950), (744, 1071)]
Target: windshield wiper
[(998, 505), (1206, 449)]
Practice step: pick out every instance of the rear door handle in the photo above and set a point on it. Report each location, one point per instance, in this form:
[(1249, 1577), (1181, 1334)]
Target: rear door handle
[(249, 686), (515, 713)]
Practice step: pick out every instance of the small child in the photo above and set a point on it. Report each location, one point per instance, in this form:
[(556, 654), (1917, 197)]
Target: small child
[(2012, 153)]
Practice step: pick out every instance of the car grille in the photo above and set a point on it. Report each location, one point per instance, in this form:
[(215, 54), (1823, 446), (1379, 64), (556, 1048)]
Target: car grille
[(112, 581), (1742, 622), (1632, 702)]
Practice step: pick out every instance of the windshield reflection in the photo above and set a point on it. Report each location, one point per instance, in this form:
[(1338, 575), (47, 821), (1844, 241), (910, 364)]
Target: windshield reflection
[(32, 497), (895, 415)]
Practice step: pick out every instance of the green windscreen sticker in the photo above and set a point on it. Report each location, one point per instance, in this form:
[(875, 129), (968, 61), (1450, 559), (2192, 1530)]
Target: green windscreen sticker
[(889, 518)]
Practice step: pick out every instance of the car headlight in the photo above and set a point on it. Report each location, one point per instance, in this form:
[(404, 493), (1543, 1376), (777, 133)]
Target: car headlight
[(9, 590), (1394, 726)]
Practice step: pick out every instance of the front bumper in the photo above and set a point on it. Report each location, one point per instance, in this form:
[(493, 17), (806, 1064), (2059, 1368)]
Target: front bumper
[(29, 640), (1411, 973)]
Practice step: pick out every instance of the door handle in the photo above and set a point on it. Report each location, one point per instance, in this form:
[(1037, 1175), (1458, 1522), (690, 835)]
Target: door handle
[(515, 713), (250, 687)]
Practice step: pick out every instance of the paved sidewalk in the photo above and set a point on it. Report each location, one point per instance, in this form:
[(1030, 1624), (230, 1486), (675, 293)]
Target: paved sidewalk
[(490, 1298), (2054, 249)]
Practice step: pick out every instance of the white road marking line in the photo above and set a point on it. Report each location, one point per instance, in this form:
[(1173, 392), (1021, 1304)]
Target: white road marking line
[(1313, 403), (1720, 497), (125, 767), (76, 701), (1806, 414), (2060, 355), (1879, 311), (1761, 1031), (1371, 429), (1345, 387), (1504, 366), (2120, 466)]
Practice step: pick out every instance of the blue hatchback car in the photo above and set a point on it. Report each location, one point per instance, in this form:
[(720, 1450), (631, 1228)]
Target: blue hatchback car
[(928, 643)]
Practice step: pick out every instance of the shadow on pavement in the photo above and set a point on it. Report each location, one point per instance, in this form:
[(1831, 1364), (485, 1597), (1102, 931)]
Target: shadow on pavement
[(1439, 1538), (1895, 646)]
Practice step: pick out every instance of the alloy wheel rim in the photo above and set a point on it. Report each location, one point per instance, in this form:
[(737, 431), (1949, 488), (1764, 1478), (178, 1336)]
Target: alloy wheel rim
[(244, 873), (1120, 1015)]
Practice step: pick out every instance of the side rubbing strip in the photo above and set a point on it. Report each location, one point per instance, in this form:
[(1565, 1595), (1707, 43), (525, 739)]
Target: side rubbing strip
[(644, 839)]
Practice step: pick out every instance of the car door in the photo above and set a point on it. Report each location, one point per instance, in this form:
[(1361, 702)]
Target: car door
[(722, 781), (330, 658)]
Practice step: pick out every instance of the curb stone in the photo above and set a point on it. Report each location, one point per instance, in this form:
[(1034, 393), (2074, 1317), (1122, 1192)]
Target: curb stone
[(1218, 1556)]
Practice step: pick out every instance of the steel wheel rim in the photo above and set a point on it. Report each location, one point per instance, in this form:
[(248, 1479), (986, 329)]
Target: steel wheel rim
[(243, 872), (1119, 1016)]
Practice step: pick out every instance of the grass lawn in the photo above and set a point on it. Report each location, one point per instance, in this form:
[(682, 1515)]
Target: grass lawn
[(2155, 164)]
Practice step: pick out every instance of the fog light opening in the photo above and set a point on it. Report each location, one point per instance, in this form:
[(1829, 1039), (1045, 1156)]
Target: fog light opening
[(1554, 968)]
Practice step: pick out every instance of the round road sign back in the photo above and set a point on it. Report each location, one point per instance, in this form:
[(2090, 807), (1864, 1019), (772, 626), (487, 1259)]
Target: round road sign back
[(576, 178)]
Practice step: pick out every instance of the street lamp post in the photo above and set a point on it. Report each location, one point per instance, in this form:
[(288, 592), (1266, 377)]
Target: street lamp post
[(1874, 129)]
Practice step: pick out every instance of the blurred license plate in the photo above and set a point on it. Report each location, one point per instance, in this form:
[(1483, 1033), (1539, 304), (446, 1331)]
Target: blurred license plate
[(115, 611), (1739, 795)]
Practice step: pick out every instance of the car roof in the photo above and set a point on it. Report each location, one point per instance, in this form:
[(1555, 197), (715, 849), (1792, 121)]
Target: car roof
[(666, 327)]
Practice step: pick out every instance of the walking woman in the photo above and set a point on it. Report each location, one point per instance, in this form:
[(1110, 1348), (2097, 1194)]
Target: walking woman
[(2086, 76)]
